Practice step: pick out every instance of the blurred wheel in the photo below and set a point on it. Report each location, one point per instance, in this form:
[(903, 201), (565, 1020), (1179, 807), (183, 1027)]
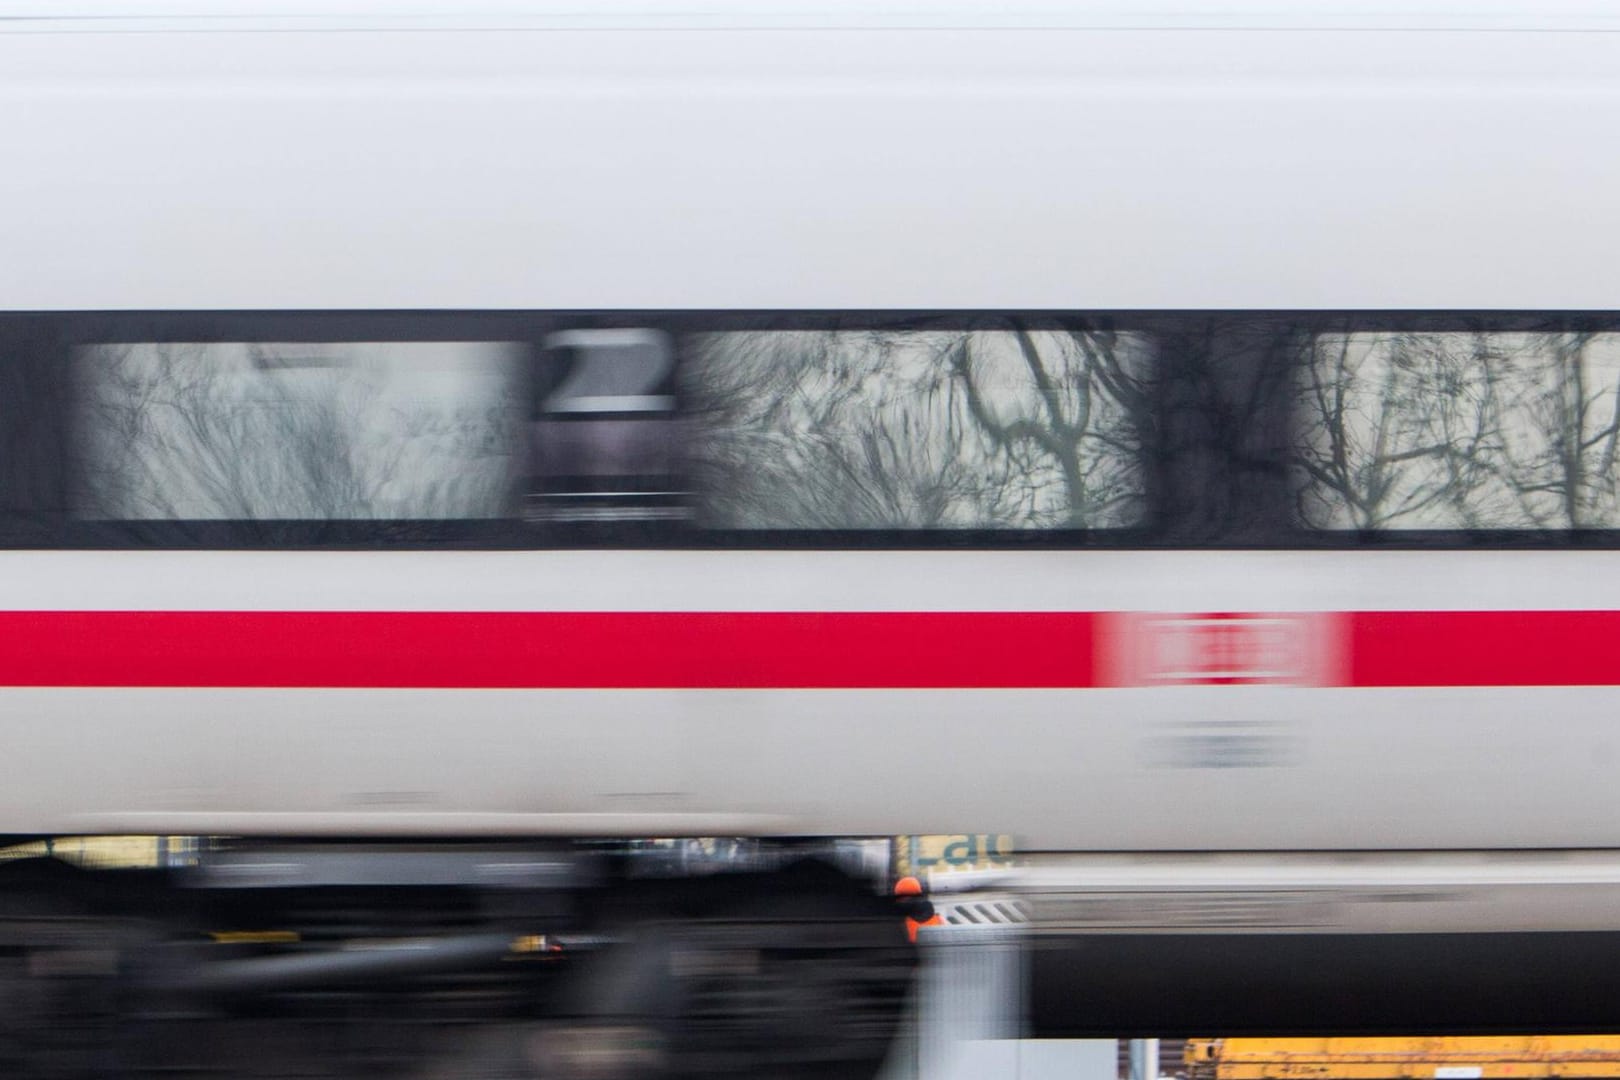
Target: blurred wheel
[(801, 975)]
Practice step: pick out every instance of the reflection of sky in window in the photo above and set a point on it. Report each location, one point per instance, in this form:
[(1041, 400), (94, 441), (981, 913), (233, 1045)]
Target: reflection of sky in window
[(187, 431), (915, 429), (1459, 430)]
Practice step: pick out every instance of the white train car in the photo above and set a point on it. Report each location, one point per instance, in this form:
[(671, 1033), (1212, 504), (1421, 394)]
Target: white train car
[(1183, 440)]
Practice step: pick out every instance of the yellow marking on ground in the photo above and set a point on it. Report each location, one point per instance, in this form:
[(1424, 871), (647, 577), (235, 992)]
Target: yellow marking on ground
[(1496, 1057)]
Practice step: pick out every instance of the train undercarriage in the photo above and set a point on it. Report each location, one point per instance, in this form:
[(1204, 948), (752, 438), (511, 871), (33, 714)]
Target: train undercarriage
[(273, 961), (446, 964)]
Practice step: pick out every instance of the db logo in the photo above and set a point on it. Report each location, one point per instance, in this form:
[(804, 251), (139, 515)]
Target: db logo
[(1290, 648)]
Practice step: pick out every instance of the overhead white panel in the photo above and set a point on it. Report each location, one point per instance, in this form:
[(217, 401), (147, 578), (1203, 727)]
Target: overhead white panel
[(810, 169)]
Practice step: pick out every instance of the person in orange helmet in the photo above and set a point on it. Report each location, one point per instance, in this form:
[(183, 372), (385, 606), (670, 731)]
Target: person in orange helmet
[(919, 912)]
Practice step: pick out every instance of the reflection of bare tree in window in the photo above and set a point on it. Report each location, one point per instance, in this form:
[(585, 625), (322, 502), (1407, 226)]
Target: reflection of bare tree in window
[(243, 432), (1006, 428), (1566, 473), (1458, 430)]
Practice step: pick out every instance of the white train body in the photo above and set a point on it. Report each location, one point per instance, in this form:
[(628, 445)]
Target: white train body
[(1095, 160)]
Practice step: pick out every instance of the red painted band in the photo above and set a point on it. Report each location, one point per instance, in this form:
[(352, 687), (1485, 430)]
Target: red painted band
[(743, 650), (1483, 648), (551, 649)]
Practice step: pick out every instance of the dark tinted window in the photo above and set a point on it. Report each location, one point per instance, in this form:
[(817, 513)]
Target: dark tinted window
[(1470, 430), (307, 431), (558, 429), (1006, 428)]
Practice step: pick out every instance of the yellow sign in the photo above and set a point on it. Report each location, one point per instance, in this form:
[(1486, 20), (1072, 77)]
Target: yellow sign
[(921, 855)]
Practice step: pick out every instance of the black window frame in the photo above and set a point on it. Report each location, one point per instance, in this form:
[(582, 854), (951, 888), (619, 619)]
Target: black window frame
[(1185, 466)]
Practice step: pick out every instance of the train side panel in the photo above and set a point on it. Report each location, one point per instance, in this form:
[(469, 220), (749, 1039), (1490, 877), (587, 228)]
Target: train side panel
[(687, 716)]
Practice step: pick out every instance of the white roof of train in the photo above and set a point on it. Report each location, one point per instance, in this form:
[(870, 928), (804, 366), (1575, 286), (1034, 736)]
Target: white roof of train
[(104, 15), (719, 167)]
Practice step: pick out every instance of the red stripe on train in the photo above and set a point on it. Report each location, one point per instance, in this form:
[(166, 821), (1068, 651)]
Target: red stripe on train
[(1483, 648), (758, 650), (550, 649)]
